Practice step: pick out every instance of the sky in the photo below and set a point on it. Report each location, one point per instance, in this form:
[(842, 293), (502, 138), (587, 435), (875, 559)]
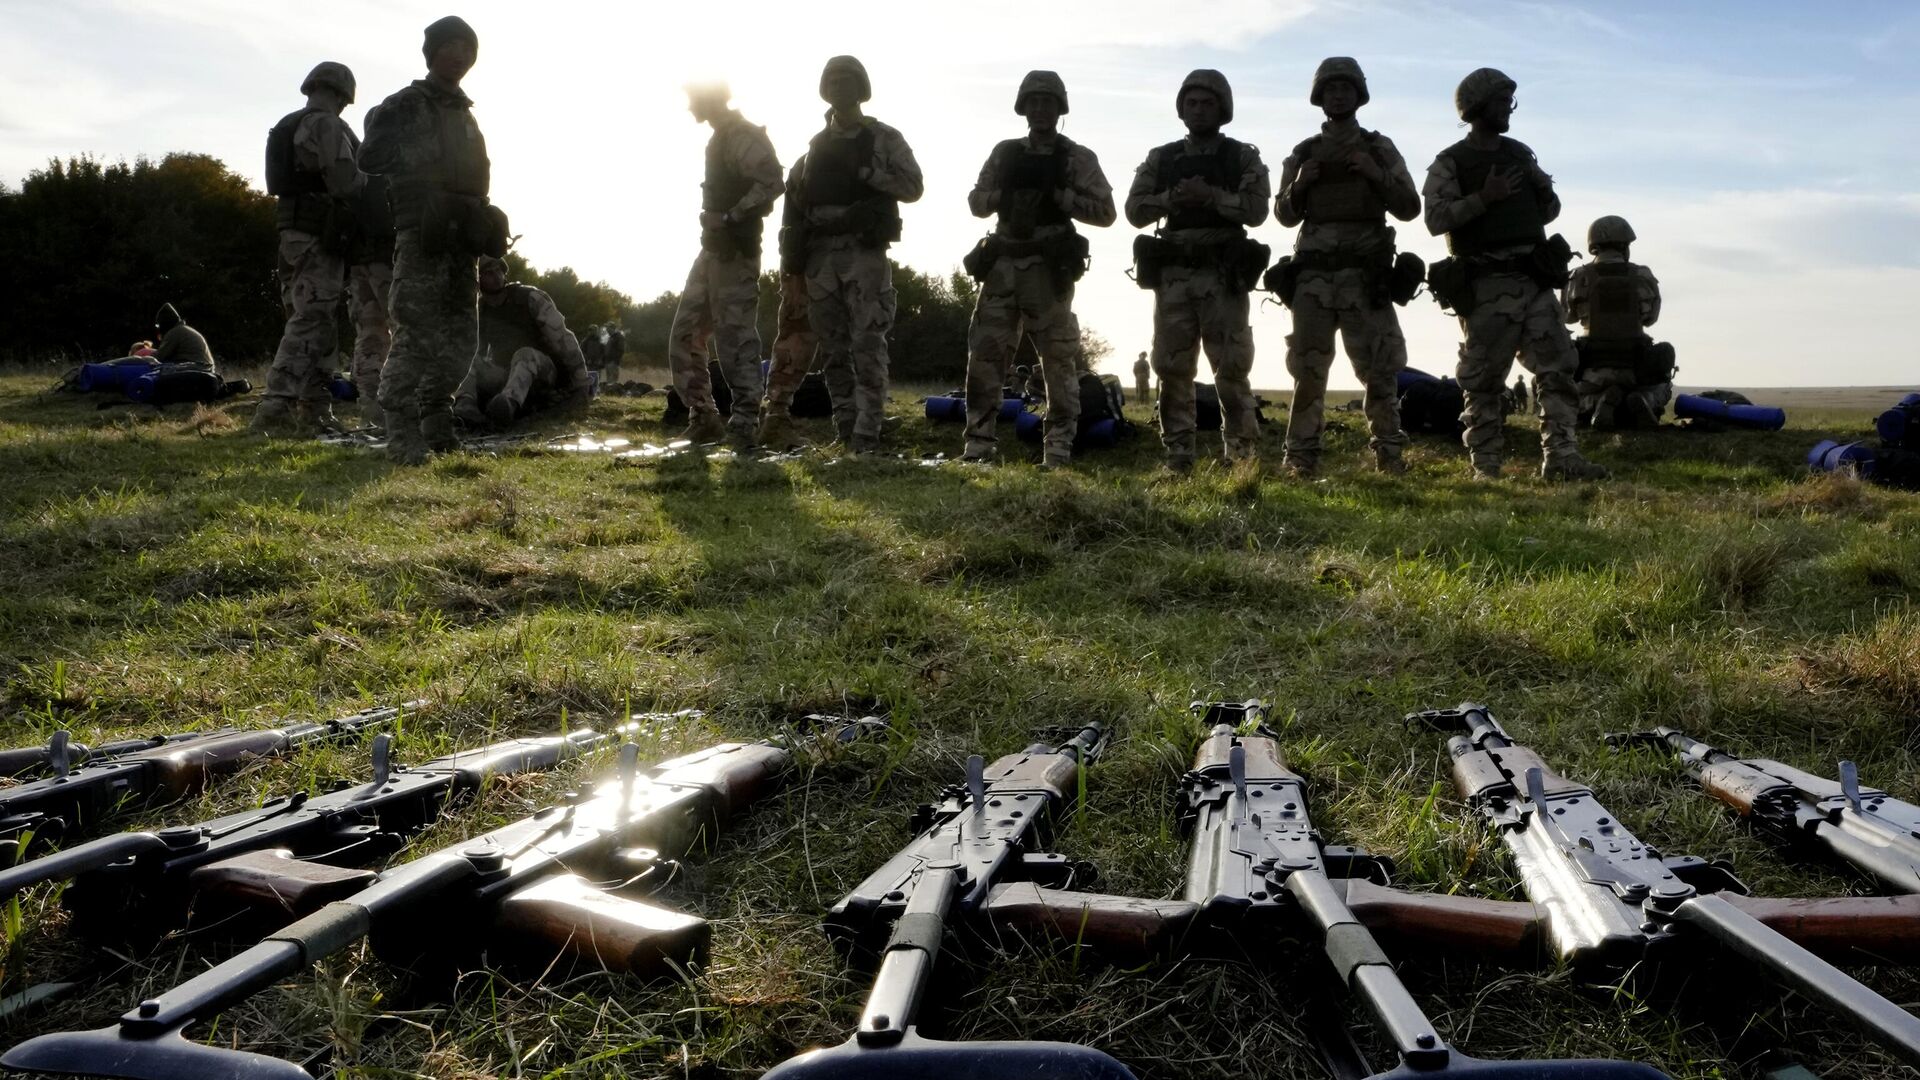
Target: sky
[(1766, 152)]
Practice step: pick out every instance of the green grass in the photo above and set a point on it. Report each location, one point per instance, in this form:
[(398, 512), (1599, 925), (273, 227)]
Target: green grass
[(166, 571)]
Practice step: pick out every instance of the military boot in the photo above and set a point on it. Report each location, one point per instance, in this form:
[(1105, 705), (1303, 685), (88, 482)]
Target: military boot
[(500, 411), (371, 414), (1300, 467), (1389, 462), (314, 418), (1486, 468), (705, 428), (1572, 467), (1056, 462), (436, 431), (274, 418), (405, 446), (777, 433), (843, 430)]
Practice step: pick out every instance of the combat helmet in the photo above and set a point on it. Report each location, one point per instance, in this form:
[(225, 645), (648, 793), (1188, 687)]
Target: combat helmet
[(1478, 88), (490, 263), (1339, 67), (848, 64), (1040, 82), (333, 74), (1210, 80), (1609, 231)]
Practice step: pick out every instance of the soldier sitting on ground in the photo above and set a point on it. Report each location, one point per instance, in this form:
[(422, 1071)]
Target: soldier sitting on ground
[(526, 360), (180, 344), (1626, 378)]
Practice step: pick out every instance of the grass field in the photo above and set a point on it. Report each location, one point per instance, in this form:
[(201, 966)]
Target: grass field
[(167, 571)]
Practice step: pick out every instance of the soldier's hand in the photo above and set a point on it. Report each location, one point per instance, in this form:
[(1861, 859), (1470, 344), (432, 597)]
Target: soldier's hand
[(1309, 174), (1363, 163), (1192, 191), (1063, 198), (1499, 185), (712, 219)]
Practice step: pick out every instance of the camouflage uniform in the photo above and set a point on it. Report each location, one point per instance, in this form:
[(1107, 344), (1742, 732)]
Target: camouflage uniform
[(1142, 373), (1616, 394), (425, 140), (849, 185), (794, 343), (720, 302), (526, 360), (1038, 189), (369, 285), (311, 165), (1200, 301), (1345, 252)]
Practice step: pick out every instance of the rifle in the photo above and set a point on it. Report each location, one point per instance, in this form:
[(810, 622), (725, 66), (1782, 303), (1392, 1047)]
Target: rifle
[(531, 879), (1866, 828), (149, 880), (61, 753), (976, 835), (34, 814), (1613, 902), (1259, 871)]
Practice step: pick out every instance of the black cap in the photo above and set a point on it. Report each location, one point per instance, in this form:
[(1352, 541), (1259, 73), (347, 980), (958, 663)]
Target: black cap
[(447, 29)]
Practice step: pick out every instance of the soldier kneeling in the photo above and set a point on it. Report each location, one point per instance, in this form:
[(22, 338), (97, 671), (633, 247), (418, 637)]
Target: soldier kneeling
[(1625, 377), (526, 360)]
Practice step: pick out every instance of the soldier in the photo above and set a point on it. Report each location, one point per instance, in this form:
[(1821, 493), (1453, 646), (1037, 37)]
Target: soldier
[(369, 282), (311, 169), (1141, 373), (1625, 378), (1209, 189), (1339, 186), (849, 186), (794, 343), (722, 295), (1038, 187), (526, 360), (1520, 393), (181, 346), (1489, 196), (425, 141)]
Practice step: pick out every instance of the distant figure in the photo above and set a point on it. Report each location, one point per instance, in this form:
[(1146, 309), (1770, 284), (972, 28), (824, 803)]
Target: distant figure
[(849, 186), (1520, 399), (425, 140), (180, 345), (1626, 378), (1142, 372), (1204, 191), (1339, 186), (1488, 195), (312, 171), (718, 307), (526, 361)]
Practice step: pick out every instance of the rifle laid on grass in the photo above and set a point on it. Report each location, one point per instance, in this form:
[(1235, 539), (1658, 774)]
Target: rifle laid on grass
[(1612, 902), (536, 883), (61, 753), (38, 813), (1866, 828), (1260, 872), (290, 855), (978, 835)]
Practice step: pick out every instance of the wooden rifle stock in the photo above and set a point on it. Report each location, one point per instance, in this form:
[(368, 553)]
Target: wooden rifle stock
[(1502, 930), (185, 770), (1842, 928), (1124, 929), (568, 915), (274, 880)]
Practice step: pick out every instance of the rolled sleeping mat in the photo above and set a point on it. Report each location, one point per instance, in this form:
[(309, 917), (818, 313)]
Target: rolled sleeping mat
[(114, 375), (343, 388), (1830, 456), (1412, 377), (1900, 425), (1100, 435), (1752, 417), (947, 409), (1011, 409)]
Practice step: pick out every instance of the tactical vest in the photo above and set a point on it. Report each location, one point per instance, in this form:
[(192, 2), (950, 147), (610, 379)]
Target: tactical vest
[(833, 179), (1221, 168), (302, 193), (721, 190), (1514, 221), (373, 217), (1341, 193), (1613, 306), (509, 326), (463, 167), (1026, 171)]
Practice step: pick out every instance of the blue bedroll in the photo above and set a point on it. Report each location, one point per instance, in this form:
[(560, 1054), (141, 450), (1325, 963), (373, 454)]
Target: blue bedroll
[(1012, 408), (1412, 377), (343, 388), (1099, 435), (951, 409), (1900, 425), (113, 376), (1831, 456), (142, 388), (1754, 417)]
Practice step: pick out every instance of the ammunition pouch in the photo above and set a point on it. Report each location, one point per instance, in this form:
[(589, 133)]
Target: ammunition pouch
[(1146, 261), (1065, 254), (793, 243), (1408, 274), (875, 223), (1282, 278), (463, 225), (1549, 262), (340, 230), (1450, 283), (1241, 259), (741, 240), (978, 262)]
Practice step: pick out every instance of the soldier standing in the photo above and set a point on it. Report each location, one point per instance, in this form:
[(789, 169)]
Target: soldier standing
[(1209, 189), (1339, 186), (722, 295), (1625, 377), (425, 140), (311, 169), (1142, 371), (526, 359), (370, 280), (849, 186), (794, 343), (1488, 195), (1038, 187)]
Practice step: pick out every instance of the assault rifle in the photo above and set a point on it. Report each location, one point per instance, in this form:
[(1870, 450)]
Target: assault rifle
[(36, 813), (1259, 871), (292, 854), (538, 880), (1612, 901), (1867, 828), (61, 753), (977, 835)]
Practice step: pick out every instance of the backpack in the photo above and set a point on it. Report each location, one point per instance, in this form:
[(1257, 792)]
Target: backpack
[(1432, 406), (1899, 427), (677, 410), (1100, 399), (810, 398)]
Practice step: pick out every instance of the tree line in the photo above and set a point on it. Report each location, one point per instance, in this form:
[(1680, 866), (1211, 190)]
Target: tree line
[(89, 251)]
